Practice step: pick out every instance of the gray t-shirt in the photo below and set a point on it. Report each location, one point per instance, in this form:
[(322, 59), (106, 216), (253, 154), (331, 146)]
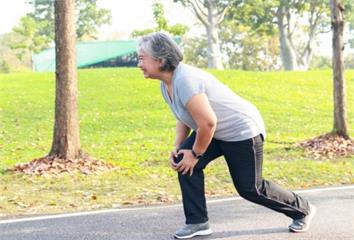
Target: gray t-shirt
[(237, 119)]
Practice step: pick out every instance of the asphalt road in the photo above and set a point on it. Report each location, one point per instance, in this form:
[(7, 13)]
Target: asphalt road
[(229, 218)]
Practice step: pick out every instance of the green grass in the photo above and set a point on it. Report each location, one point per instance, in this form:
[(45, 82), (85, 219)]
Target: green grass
[(125, 121)]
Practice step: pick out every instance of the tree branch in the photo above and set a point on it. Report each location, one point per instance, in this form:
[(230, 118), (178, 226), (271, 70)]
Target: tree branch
[(222, 14), (198, 12), (296, 25), (199, 4)]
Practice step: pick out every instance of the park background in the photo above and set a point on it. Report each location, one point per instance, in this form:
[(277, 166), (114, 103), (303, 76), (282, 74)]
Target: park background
[(125, 123)]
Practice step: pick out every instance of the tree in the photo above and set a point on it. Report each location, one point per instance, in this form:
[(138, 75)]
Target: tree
[(66, 140), (243, 49), (340, 115), (90, 18), (12, 57), (321, 62), (296, 39), (4, 67), (162, 23), (295, 57), (195, 51), (210, 13), (66, 154), (248, 49), (27, 40), (37, 28)]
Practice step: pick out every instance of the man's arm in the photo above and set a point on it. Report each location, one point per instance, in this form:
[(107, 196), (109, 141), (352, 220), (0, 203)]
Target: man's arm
[(182, 132), (205, 118)]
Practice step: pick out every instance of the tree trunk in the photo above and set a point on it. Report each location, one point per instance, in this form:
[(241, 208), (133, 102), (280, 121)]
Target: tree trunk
[(340, 115), (209, 15), (304, 61), (66, 139), (214, 54), (287, 53), (315, 12), (305, 57)]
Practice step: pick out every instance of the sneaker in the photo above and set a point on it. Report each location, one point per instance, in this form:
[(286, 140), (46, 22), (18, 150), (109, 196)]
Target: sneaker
[(192, 230), (303, 224)]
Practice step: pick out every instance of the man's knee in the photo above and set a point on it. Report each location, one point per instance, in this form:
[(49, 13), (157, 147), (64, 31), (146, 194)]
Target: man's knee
[(249, 192)]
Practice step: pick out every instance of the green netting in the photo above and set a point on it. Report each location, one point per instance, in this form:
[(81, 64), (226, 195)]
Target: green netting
[(88, 53)]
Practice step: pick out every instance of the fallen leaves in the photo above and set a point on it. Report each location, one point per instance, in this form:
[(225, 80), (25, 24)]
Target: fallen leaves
[(165, 199), (52, 165), (17, 201), (328, 146)]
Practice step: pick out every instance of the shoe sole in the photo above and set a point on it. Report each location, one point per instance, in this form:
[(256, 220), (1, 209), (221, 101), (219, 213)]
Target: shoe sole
[(199, 233), (309, 222)]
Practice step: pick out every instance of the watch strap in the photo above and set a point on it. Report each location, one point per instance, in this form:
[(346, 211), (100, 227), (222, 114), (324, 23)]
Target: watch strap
[(197, 156)]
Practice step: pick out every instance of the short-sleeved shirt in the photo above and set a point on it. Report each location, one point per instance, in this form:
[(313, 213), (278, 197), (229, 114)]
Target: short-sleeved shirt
[(237, 119)]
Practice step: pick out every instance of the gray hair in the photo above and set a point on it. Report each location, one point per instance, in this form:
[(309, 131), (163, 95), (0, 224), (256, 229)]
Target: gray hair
[(161, 46)]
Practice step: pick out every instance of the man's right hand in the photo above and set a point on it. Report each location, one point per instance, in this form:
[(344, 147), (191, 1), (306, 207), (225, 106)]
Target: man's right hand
[(173, 155)]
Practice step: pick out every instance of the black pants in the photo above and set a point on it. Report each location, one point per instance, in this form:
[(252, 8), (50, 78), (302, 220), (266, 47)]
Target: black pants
[(244, 159)]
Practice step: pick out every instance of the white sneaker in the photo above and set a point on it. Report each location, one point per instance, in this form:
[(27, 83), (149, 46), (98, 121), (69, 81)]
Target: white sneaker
[(192, 230)]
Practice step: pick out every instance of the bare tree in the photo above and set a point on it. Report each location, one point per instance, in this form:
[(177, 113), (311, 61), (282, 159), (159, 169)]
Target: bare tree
[(340, 114), (210, 13), (66, 139)]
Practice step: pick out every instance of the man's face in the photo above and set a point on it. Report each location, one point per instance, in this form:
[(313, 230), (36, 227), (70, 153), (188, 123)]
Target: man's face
[(148, 64)]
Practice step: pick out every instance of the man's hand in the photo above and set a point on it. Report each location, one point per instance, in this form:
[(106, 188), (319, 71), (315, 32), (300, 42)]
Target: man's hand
[(188, 162), (173, 155)]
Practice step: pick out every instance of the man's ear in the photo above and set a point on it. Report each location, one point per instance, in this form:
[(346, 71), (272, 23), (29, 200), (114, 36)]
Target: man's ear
[(162, 62)]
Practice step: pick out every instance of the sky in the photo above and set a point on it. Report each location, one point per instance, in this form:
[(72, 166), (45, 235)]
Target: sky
[(127, 15), (10, 13), (137, 14)]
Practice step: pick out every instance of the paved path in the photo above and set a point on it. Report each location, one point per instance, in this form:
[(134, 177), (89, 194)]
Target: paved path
[(229, 218)]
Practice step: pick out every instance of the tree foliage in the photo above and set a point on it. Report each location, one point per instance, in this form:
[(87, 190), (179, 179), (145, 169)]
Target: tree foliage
[(250, 34), (162, 23), (90, 18), (297, 23), (195, 51), (4, 67), (36, 29), (248, 51), (28, 38)]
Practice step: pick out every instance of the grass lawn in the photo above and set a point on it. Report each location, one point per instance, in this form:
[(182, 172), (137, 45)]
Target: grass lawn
[(125, 121)]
